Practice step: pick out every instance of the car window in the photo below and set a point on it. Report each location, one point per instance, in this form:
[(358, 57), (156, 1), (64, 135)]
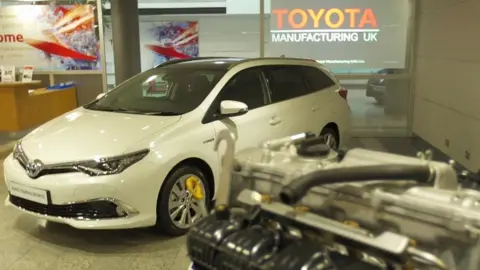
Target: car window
[(285, 82), (247, 87), (155, 86), (316, 79), (161, 91)]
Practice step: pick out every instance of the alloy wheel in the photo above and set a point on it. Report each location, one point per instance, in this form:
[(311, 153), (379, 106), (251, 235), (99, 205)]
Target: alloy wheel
[(187, 204)]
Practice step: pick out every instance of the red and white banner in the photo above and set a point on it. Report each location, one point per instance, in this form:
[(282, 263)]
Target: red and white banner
[(49, 37)]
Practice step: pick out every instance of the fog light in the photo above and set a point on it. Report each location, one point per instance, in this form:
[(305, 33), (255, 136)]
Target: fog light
[(120, 211)]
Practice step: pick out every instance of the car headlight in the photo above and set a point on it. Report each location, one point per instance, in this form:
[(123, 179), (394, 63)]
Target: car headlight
[(113, 165)]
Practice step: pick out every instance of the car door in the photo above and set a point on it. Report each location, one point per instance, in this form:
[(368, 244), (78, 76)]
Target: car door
[(252, 128), (324, 100), (288, 93)]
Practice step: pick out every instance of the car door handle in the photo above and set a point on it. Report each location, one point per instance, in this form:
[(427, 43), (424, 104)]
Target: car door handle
[(275, 121), (314, 109)]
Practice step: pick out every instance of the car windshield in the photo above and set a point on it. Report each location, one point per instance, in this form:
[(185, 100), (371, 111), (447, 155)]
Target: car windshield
[(160, 91)]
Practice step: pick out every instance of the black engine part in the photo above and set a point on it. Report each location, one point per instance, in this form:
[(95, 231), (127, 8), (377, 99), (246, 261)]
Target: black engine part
[(313, 147), (244, 242)]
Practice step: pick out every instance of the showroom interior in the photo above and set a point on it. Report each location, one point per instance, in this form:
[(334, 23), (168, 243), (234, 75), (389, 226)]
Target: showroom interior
[(410, 76)]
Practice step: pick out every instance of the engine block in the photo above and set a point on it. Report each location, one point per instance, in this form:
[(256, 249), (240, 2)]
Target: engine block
[(391, 209)]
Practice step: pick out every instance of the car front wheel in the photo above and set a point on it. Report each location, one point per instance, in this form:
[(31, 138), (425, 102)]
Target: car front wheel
[(182, 201)]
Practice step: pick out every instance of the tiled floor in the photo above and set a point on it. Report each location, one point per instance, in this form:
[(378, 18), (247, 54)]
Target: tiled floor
[(27, 243)]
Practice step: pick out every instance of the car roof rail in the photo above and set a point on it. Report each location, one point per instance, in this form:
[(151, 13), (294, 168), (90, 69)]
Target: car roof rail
[(282, 57), (246, 60), (175, 61)]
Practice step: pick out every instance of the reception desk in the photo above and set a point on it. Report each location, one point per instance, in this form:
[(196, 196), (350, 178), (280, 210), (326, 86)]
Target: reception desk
[(22, 109)]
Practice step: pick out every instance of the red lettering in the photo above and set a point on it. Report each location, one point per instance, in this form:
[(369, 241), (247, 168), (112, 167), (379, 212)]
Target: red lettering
[(353, 15), (334, 18), (279, 13), (11, 38), (368, 18)]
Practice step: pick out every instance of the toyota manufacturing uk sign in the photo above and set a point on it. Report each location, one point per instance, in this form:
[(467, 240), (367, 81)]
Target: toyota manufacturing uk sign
[(365, 33), (324, 25)]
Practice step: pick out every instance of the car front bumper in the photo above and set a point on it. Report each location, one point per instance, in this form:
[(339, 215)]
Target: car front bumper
[(121, 201)]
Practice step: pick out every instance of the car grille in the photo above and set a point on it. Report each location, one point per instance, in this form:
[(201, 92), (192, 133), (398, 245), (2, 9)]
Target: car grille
[(88, 210), (49, 170)]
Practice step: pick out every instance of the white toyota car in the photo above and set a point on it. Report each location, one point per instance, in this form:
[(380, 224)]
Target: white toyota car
[(142, 155)]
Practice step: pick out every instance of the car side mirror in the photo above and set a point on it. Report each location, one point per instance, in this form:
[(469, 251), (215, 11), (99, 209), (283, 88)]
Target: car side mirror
[(101, 95), (231, 108)]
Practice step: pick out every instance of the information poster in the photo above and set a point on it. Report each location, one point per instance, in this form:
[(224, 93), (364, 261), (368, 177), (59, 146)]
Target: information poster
[(8, 73), (27, 75), (49, 37)]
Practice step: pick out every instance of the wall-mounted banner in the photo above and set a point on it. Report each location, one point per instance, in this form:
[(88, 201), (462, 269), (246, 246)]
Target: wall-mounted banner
[(49, 37), (168, 40), (357, 33)]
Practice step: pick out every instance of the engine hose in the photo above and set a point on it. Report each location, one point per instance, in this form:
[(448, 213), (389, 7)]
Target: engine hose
[(294, 192)]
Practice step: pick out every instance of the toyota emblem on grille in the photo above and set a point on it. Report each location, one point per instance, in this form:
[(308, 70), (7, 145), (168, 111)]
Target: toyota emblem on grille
[(34, 168)]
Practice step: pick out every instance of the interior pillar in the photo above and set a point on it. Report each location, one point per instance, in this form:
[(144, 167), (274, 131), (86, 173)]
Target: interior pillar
[(126, 39)]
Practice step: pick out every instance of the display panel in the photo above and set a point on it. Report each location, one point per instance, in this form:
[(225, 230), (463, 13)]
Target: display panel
[(160, 41), (167, 40), (341, 34), (49, 37)]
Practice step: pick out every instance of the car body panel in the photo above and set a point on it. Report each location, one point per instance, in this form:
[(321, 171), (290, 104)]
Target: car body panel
[(98, 133)]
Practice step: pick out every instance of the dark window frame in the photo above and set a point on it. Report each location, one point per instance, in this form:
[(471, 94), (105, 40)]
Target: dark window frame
[(210, 114), (271, 88), (311, 89)]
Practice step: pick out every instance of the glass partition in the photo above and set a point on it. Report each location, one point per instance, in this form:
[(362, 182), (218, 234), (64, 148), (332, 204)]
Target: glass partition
[(206, 35), (379, 106), (365, 43)]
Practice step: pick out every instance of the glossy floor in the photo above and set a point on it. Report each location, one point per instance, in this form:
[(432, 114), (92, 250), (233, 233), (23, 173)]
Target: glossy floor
[(27, 243)]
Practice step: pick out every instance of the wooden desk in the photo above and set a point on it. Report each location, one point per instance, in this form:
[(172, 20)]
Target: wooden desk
[(21, 110)]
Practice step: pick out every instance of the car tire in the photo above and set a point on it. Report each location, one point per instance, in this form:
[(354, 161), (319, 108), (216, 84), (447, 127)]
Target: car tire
[(379, 100), (331, 137), (168, 199)]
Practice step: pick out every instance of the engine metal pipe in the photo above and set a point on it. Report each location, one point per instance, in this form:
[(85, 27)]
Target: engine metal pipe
[(296, 190)]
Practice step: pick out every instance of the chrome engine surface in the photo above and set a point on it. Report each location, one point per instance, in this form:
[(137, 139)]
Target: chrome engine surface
[(438, 215)]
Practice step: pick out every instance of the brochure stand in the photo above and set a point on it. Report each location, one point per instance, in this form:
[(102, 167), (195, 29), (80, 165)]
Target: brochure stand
[(8, 74)]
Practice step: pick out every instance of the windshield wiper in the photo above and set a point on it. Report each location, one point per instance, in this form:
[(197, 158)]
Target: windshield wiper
[(133, 111), (112, 109), (128, 110), (96, 107), (161, 113)]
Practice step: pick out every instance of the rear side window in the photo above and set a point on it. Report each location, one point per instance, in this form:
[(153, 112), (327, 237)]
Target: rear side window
[(285, 82), (316, 79)]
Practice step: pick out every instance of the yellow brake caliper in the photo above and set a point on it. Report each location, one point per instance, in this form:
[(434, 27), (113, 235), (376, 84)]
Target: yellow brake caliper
[(195, 187)]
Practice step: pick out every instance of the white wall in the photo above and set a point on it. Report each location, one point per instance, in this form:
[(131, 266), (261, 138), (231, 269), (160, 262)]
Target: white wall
[(177, 3), (246, 6), (219, 35), (447, 78), (232, 6)]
